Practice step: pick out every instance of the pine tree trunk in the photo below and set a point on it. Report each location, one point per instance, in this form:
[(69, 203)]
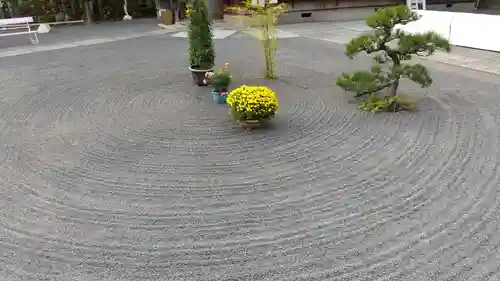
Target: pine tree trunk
[(395, 64), (393, 90)]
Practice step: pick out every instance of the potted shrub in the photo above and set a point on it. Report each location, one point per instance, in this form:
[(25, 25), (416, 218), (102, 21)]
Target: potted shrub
[(201, 48), (221, 79), (252, 105)]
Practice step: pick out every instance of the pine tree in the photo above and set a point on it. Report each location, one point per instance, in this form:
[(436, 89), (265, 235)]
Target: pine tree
[(201, 48), (391, 47)]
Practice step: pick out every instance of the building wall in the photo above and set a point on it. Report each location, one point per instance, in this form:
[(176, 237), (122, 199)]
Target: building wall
[(489, 4), (342, 10), (300, 5), (333, 10), (465, 7), (345, 10), (489, 7)]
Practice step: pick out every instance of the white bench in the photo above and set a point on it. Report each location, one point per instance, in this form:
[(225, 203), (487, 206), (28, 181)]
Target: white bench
[(18, 26)]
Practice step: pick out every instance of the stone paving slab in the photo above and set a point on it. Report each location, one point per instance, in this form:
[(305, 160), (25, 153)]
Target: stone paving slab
[(217, 33), (470, 58), (342, 32), (280, 34), (116, 168), (338, 32)]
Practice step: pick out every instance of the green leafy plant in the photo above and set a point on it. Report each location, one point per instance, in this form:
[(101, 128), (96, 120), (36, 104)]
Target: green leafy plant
[(252, 103), (264, 18), (221, 78), (201, 48), (376, 103), (391, 47), (43, 11)]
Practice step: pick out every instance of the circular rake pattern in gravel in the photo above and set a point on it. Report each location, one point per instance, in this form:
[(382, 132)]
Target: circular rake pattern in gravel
[(154, 182)]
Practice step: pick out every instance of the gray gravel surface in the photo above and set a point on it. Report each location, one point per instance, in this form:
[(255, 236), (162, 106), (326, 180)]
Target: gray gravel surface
[(114, 167), (64, 34)]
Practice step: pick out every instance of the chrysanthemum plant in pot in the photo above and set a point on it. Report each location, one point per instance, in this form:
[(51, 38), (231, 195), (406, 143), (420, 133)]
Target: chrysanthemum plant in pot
[(252, 105), (201, 48)]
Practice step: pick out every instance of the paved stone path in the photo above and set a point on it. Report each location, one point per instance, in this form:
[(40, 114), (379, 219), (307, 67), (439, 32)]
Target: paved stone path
[(336, 32), (116, 168), (342, 32)]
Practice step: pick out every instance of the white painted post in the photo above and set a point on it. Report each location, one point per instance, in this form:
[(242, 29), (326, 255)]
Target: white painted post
[(411, 4)]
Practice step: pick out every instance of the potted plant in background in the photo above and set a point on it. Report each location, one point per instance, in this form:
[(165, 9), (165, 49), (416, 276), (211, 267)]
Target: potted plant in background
[(201, 48), (220, 80), (252, 105)]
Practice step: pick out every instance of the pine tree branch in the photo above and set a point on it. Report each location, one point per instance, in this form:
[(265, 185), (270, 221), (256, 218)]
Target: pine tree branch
[(371, 91), (365, 82), (423, 45), (417, 73)]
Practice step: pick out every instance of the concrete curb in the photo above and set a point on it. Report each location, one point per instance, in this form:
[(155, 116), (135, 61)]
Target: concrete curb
[(172, 27)]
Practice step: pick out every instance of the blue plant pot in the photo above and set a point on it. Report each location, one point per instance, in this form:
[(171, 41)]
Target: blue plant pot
[(218, 98), (221, 99)]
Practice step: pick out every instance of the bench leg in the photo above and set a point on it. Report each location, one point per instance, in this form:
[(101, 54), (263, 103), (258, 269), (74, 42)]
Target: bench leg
[(33, 36)]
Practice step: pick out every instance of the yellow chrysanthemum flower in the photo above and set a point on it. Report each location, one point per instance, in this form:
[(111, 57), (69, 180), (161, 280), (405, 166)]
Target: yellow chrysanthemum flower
[(252, 103)]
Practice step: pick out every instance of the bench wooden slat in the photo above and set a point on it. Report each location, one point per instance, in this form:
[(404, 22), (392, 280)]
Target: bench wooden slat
[(8, 27), (17, 33), (16, 21)]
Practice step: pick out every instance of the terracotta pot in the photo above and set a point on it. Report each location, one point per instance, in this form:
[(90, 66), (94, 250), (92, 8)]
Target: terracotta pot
[(199, 75), (250, 124)]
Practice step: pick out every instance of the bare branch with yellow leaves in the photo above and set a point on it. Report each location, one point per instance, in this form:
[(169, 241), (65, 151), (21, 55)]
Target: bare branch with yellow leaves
[(263, 17)]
